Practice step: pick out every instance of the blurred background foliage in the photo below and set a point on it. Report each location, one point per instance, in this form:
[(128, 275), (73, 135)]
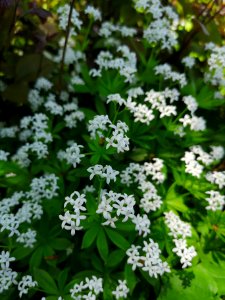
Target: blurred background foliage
[(28, 28)]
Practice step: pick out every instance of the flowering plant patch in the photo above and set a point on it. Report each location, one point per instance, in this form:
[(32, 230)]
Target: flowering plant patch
[(112, 177)]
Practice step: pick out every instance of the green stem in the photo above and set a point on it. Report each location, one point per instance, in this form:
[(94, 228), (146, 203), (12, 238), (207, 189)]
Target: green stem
[(180, 115), (85, 43)]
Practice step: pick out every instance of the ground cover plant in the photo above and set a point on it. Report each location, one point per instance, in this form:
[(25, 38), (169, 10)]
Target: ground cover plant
[(112, 142)]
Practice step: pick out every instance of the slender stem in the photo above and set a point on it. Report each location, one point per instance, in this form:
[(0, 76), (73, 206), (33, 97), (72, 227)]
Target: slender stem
[(14, 17), (84, 45), (65, 45), (180, 115), (216, 13), (207, 7)]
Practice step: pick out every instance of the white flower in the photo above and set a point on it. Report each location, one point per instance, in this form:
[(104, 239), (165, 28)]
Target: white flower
[(8, 132), (4, 155), (98, 125), (5, 259), (134, 257), (27, 238), (43, 84), (115, 97), (106, 172), (185, 253), (142, 224), (43, 187), (215, 200), (191, 103), (25, 283), (177, 227), (87, 290), (217, 178), (217, 152), (72, 154), (63, 14), (152, 262), (93, 12), (7, 277), (166, 71), (121, 290), (188, 61)]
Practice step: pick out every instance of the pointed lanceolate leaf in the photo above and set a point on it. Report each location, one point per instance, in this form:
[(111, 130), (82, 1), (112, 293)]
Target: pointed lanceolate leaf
[(102, 245), (45, 281), (90, 236), (117, 239)]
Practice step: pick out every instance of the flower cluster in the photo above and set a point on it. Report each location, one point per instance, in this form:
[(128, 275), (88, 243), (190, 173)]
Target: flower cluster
[(105, 172), (216, 201), (136, 173), (72, 154), (196, 155), (216, 63), (149, 260), (216, 177), (7, 275), (25, 283), (121, 290), (125, 65), (63, 13), (180, 230), (117, 138), (90, 288), (166, 71), (162, 29), (24, 207), (75, 203), (131, 123), (113, 205)]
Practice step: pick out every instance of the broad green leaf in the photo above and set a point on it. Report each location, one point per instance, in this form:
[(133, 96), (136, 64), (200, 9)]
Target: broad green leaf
[(115, 258), (45, 281), (200, 286), (102, 245), (175, 201), (91, 204), (21, 252), (90, 236), (60, 243), (117, 239), (36, 257), (97, 263), (62, 277), (130, 277)]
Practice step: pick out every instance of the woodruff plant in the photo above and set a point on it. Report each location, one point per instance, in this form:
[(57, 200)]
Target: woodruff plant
[(113, 184)]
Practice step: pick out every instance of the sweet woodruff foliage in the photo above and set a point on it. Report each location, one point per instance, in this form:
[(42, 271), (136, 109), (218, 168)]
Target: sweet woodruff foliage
[(112, 168)]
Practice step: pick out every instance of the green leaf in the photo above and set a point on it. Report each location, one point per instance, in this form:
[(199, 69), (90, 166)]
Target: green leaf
[(45, 281), (62, 277), (91, 204), (102, 245), (95, 159), (90, 236), (217, 271), (36, 257), (21, 252), (130, 277), (117, 239), (97, 263), (201, 286), (60, 243), (175, 201), (115, 258)]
